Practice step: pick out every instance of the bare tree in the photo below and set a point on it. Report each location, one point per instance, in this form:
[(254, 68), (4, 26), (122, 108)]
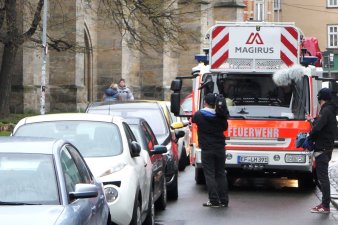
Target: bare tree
[(148, 23)]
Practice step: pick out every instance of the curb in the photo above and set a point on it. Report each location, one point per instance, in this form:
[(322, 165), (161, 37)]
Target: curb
[(333, 168)]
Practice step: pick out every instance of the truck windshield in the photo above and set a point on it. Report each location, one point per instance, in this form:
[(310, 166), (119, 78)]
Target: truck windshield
[(256, 96)]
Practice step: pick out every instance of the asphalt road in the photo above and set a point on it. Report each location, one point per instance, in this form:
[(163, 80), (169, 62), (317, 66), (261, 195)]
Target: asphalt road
[(252, 202)]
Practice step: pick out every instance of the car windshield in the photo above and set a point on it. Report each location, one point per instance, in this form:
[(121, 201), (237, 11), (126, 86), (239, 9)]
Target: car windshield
[(28, 179), (92, 139)]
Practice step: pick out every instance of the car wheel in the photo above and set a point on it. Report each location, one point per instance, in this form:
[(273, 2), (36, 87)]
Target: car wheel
[(183, 160), (161, 202), (150, 219), (136, 219), (199, 176), (173, 193)]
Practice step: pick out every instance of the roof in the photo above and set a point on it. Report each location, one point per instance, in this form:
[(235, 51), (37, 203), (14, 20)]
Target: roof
[(71, 117), (36, 145), (124, 105), (134, 120)]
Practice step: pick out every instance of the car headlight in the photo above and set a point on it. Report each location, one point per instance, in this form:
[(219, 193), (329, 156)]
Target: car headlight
[(111, 193), (295, 158), (114, 169)]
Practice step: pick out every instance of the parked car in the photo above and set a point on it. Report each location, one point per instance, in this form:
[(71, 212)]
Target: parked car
[(111, 150), (183, 144), (147, 139), (44, 180), (158, 117)]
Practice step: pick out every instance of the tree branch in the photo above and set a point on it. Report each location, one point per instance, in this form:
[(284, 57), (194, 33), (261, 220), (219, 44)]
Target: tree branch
[(36, 20)]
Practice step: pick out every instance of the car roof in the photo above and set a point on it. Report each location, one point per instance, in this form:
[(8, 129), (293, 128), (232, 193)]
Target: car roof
[(134, 120), (38, 145), (72, 117), (148, 104)]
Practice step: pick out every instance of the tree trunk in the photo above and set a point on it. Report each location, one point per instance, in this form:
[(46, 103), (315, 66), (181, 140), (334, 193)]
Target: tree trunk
[(8, 62)]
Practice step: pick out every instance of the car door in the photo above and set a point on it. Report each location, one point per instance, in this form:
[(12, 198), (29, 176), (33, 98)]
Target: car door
[(82, 208), (156, 159), (98, 203), (142, 166)]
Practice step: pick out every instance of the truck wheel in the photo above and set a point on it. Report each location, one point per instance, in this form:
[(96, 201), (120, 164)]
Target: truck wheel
[(173, 193), (306, 182), (150, 219), (183, 160), (161, 202), (199, 176)]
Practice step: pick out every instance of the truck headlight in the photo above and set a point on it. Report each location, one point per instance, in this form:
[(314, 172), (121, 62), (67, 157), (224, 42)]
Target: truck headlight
[(111, 193), (295, 158)]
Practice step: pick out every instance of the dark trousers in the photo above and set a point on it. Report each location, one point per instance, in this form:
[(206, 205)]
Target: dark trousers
[(322, 167), (213, 163)]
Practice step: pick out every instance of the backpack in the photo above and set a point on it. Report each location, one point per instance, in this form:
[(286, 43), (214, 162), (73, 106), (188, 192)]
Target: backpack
[(221, 106)]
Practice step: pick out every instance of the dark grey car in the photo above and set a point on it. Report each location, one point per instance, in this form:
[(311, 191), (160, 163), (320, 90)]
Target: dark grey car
[(46, 181)]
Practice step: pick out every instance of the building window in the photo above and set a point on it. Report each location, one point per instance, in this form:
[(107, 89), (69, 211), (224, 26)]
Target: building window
[(259, 10), (276, 5), (332, 36), (332, 3)]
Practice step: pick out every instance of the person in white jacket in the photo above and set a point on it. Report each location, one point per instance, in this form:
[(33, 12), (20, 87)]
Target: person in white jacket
[(124, 92)]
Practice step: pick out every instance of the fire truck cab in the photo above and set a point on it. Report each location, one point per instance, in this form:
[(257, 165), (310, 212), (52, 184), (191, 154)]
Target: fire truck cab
[(270, 85)]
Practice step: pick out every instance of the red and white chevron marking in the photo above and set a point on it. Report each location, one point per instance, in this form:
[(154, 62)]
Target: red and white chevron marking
[(220, 46), (289, 49)]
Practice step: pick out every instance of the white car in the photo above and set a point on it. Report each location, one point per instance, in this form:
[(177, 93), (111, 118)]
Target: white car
[(110, 149)]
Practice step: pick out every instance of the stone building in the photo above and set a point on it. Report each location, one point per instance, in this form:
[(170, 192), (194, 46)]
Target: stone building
[(75, 78)]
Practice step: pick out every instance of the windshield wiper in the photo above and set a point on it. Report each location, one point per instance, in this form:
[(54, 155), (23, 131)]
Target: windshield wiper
[(278, 117), (17, 203), (237, 117)]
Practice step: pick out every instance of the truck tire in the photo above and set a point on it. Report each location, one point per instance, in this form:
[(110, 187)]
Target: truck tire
[(183, 160), (199, 176), (306, 182), (161, 202)]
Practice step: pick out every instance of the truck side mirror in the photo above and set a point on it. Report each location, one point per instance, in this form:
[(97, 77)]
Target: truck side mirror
[(175, 99), (176, 85)]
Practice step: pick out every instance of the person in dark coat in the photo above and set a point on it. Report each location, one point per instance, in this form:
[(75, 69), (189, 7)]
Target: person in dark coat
[(322, 134), (211, 140), (111, 93)]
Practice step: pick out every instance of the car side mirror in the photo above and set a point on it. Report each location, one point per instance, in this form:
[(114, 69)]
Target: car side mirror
[(179, 134), (135, 149), (159, 149), (84, 191), (177, 125)]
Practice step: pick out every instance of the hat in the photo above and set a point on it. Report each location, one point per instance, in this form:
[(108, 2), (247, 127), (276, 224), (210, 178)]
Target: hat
[(210, 99), (324, 94)]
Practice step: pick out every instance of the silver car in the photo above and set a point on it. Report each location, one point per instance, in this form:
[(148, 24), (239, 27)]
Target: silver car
[(46, 181)]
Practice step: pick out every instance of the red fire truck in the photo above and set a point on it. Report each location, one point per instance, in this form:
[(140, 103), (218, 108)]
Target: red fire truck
[(270, 84)]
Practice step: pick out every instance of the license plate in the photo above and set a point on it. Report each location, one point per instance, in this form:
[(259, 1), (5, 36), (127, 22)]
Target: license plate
[(253, 159)]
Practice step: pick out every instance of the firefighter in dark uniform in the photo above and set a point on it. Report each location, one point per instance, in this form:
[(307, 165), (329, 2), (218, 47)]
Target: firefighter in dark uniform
[(211, 140), (322, 134)]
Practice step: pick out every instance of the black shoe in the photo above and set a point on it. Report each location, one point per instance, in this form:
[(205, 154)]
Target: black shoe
[(212, 205)]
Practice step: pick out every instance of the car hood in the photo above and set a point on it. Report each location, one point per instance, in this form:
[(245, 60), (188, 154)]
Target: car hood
[(100, 165), (30, 214)]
